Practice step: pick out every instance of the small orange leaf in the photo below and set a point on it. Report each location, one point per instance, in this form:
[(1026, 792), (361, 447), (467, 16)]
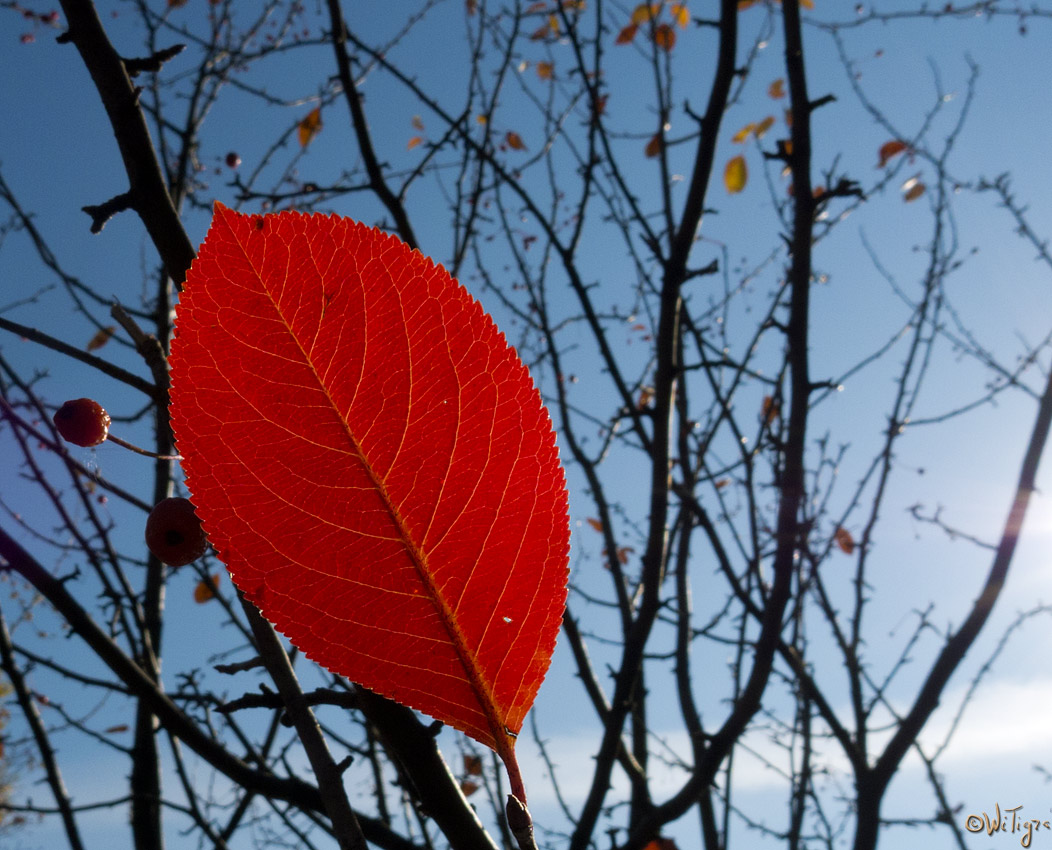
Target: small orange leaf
[(654, 146), (665, 37), (545, 70), (776, 90), (468, 787), (471, 6), (623, 554), (539, 34), (744, 133), (807, 4), (645, 12), (595, 524), (113, 730), (680, 15), (646, 395), (888, 150), (534, 8), (770, 410), (735, 175), (762, 128), (627, 34), (514, 141), (844, 540), (309, 126), (723, 482), (481, 119), (413, 142), (914, 191), (553, 24), (203, 592), (102, 336), (473, 765)]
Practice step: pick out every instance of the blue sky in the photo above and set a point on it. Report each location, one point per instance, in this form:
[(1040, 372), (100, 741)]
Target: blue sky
[(57, 153)]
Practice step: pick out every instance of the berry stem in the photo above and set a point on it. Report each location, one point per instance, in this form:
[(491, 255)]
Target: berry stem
[(134, 448)]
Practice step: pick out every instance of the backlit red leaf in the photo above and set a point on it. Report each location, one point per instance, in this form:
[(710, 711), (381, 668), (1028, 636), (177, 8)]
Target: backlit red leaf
[(373, 464)]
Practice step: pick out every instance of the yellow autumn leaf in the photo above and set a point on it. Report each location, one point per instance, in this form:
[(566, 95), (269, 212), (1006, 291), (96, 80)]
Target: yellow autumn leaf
[(645, 12), (743, 133), (680, 15), (309, 126), (735, 175), (203, 592), (763, 127)]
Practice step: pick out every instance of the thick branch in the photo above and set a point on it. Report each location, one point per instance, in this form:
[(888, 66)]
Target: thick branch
[(147, 193)]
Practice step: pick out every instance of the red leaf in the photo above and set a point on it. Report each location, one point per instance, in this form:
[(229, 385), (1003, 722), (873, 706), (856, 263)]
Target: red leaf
[(889, 150), (373, 464)]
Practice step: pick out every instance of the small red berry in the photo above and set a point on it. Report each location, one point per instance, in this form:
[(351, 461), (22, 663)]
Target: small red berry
[(174, 533), (233, 160), (83, 422)]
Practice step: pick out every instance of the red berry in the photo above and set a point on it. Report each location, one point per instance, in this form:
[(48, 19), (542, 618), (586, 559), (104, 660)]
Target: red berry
[(233, 160), (83, 422), (174, 533)]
